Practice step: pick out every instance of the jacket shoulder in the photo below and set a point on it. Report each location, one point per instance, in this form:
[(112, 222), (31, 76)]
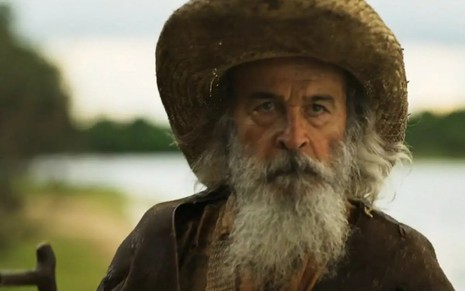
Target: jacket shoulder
[(129, 262), (396, 253), (148, 257)]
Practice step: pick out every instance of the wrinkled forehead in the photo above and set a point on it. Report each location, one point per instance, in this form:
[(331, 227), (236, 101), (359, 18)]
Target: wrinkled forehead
[(299, 63), (301, 73), (297, 69)]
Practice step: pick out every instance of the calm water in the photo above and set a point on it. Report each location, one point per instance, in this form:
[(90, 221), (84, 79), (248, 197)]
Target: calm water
[(429, 195)]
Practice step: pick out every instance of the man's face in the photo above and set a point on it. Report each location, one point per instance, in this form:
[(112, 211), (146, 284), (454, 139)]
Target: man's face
[(287, 167), (293, 104)]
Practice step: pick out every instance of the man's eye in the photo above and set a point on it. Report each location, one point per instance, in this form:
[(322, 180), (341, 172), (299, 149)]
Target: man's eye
[(316, 109), (266, 107)]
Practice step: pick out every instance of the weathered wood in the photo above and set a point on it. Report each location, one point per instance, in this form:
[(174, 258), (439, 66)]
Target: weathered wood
[(43, 276)]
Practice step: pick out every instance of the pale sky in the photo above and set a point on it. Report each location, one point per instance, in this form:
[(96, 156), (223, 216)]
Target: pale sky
[(105, 50)]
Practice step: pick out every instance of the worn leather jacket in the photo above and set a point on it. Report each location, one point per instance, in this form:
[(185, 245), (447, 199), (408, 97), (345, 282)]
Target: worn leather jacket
[(383, 254)]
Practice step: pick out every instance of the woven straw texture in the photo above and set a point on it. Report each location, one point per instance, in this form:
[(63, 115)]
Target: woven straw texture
[(205, 38)]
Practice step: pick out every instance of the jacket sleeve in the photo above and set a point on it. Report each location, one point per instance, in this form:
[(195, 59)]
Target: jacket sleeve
[(120, 265), (384, 254), (417, 265), (119, 268), (146, 259)]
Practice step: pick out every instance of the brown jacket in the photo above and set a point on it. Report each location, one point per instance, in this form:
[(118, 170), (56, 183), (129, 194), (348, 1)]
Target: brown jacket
[(383, 254)]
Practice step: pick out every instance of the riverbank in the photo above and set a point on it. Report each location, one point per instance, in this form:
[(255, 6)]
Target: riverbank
[(84, 227)]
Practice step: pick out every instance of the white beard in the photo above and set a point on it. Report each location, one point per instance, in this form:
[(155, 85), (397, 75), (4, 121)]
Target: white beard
[(288, 212)]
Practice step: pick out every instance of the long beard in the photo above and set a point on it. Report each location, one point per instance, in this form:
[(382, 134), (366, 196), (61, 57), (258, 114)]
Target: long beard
[(288, 212)]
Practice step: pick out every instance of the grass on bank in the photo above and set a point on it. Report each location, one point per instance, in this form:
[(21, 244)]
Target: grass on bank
[(84, 227)]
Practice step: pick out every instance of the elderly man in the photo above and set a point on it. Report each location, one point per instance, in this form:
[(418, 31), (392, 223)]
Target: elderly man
[(291, 113)]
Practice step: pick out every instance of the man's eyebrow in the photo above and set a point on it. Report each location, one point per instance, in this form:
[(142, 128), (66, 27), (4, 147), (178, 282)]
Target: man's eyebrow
[(263, 95), (320, 98)]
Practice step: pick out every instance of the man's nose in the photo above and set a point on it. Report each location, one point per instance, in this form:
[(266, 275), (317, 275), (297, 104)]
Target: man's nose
[(294, 137)]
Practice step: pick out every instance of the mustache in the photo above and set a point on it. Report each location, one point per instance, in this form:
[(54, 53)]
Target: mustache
[(296, 165)]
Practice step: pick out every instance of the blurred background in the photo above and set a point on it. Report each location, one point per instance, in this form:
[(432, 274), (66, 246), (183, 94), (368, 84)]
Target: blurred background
[(85, 146)]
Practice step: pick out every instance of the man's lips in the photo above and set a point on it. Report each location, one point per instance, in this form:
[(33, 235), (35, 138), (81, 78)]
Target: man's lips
[(291, 171)]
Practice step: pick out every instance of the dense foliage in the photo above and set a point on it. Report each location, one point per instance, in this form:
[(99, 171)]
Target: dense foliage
[(33, 111), (33, 103), (440, 136), (106, 136)]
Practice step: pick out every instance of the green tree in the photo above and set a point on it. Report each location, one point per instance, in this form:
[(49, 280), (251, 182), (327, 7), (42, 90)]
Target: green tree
[(138, 136), (34, 114), (431, 135)]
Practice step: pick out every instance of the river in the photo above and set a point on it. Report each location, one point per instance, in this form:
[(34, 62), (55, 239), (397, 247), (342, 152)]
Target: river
[(428, 195)]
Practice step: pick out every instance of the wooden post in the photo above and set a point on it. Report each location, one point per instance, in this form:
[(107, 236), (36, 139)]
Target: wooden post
[(43, 276)]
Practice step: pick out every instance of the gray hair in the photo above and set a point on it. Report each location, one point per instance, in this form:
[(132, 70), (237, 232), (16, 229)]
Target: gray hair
[(373, 159)]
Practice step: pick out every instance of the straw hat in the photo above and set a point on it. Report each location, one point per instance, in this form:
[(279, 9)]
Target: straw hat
[(205, 38)]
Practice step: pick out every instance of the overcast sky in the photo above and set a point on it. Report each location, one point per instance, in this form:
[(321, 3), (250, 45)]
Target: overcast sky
[(105, 49)]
